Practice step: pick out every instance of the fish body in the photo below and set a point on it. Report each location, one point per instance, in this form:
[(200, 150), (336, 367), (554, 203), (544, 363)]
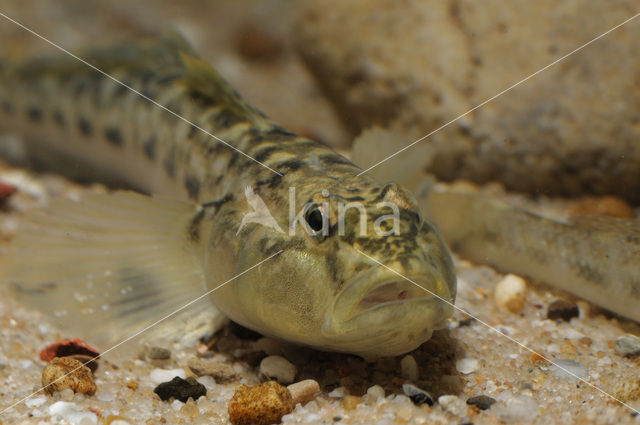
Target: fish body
[(596, 258), (322, 285)]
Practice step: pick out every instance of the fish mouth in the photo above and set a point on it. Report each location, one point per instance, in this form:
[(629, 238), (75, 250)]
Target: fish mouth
[(380, 290), (388, 293), (382, 314)]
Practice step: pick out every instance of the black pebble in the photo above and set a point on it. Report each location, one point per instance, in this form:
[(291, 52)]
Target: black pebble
[(417, 395), (482, 402), (561, 309), (181, 389)]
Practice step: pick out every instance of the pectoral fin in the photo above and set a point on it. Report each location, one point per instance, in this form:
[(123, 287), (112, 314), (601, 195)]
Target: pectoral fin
[(109, 265)]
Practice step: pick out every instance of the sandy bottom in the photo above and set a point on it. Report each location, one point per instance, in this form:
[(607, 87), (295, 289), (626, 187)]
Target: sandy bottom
[(464, 360)]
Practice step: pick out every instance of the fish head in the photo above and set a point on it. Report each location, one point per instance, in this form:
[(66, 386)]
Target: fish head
[(360, 272)]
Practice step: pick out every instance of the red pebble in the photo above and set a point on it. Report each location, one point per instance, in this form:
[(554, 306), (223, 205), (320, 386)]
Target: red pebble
[(68, 347), (6, 190)]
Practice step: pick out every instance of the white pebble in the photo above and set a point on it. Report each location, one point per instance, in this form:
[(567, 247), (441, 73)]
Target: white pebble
[(453, 404), (66, 394), (158, 376), (376, 392), (208, 382), (278, 368), (521, 407), (177, 405), (409, 368), (570, 333), (510, 293), (467, 365), (339, 392), (72, 413), (35, 401), (62, 407), (119, 422)]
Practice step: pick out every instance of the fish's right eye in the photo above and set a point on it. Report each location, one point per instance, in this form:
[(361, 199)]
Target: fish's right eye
[(314, 218)]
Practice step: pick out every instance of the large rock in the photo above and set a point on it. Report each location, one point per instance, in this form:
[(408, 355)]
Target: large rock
[(572, 129)]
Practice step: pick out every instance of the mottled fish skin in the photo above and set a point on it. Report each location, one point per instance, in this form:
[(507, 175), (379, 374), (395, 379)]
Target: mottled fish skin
[(320, 291)]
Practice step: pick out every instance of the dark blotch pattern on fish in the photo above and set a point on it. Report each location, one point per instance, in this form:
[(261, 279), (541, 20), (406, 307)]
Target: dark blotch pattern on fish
[(290, 164), (192, 184), (169, 162), (85, 127), (34, 113), (335, 159), (226, 118), (149, 148), (114, 136)]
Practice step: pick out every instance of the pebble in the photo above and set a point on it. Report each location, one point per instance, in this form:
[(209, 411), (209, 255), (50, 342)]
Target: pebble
[(262, 404), (627, 345), (67, 373), (66, 394), (67, 347), (6, 190), (176, 405), (409, 368), (417, 395), (562, 309), (159, 353), (35, 401), (116, 420), (89, 361), (279, 369), (521, 407), (482, 402), (467, 365), (159, 376), (562, 367), (73, 413), (339, 392), (453, 405), (303, 391), (376, 392), (180, 389), (350, 402), (221, 372), (510, 293), (190, 409)]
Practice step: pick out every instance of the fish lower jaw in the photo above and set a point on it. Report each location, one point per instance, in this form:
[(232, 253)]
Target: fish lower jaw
[(388, 329)]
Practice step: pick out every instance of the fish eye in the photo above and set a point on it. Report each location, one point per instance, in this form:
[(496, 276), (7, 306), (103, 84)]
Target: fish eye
[(314, 218)]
